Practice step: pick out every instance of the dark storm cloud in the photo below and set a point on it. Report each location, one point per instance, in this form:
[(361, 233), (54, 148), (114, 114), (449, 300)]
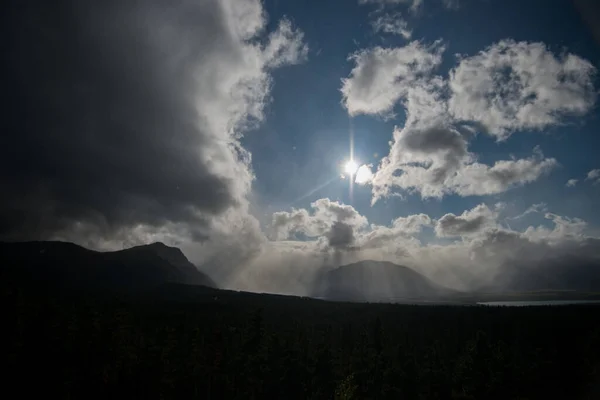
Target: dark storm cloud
[(120, 114), (341, 235), (98, 124)]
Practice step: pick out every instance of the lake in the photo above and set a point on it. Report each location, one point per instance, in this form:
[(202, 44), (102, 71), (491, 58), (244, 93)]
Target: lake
[(538, 303)]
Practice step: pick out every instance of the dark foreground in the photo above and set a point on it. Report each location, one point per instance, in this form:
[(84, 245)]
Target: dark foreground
[(193, 342)]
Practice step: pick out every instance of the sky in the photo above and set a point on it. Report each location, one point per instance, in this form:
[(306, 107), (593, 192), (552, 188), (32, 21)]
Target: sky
[(225, 128)]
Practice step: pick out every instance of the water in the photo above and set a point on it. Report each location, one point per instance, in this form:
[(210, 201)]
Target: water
[(538, 303)]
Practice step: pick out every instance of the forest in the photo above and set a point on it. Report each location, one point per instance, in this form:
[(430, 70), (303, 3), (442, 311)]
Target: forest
[(182, 341)]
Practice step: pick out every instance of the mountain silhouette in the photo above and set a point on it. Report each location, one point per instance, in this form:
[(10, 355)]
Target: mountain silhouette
[(68, 264), (376, 281)]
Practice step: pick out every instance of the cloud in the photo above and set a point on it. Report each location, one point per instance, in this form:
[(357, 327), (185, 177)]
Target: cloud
[(434, 162), (470, 222), (284, 223), (481, 179), (341, 235), (335, 226), (341, 227), (393, 24), (571, 182), (135, 124), (539, 258), (414, 5), (381, 76), (430, 154), (328, 218), (594, 176), (286, 46), (452, 4), (564, 228), (534, 208), (514, 86), (364, 174), (394, 237), (411, 224)]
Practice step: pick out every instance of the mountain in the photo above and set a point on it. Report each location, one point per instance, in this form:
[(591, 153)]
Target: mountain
[(71, 265), (376, 281)]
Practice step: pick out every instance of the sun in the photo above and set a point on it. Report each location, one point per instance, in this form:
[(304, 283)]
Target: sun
[(351, 167)]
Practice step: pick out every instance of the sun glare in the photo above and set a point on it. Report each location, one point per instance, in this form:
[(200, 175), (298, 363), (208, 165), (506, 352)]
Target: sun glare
[(351, 167)]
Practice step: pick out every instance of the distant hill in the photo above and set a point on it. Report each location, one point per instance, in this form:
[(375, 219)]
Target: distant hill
[(71, 265), (376, 281)]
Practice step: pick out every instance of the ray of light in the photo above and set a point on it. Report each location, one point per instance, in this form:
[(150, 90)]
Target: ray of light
[(321, 186), (351, 180)]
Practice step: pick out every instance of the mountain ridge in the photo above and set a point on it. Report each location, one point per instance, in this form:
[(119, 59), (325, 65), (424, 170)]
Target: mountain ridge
[(66, 263)]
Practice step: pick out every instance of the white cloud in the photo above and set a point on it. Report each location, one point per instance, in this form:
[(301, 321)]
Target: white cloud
[(285, 46), (594, 176), (535, 208), (564, 228), (338, 226), (384, 21), (336, 211), (284, 223), (411, 224), (382, 76), (393, 237), (513, 86), (414, 5), (364, 174), (328, 218), (392, 24), (452, 4), (481, 179), (434, 161), (571, 182), (429, 155)]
